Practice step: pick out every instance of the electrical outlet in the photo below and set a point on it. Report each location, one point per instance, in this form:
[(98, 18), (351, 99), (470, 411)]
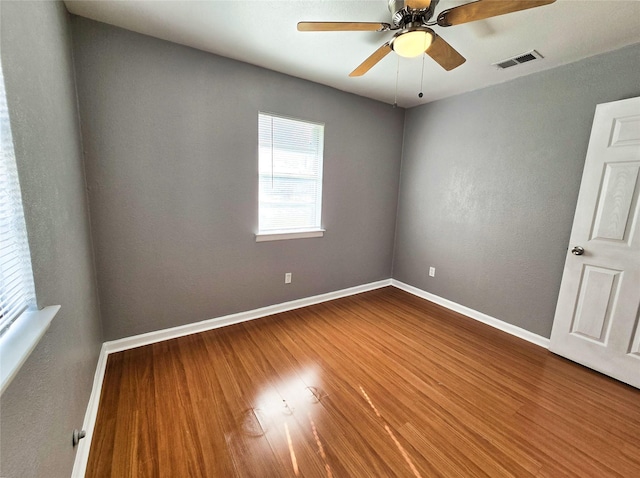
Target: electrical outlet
[(432, 271), (287, 278)]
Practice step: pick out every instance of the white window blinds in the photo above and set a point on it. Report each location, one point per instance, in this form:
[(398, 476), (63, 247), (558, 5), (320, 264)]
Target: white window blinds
[(16, 279), (290, 174)]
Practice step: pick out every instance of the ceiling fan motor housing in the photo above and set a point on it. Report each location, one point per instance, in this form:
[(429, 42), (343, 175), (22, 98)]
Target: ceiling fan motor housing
[(402, 12)]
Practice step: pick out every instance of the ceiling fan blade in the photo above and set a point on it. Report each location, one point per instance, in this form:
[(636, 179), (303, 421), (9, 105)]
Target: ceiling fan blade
[(342, 26), (418, 4), (444, 54), (482, 9), (369, 63)]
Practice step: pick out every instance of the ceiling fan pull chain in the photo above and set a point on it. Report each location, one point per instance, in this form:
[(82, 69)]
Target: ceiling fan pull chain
[(420, 95), (395, 99)]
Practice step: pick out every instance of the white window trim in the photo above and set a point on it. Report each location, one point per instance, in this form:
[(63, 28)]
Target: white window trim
[(17, 343), (281, 236)]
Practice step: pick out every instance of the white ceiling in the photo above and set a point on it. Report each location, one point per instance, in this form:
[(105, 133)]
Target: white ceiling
[(264, 33)]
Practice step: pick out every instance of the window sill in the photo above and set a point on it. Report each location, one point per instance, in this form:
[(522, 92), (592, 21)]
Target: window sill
[(281, 236), (20, 339)]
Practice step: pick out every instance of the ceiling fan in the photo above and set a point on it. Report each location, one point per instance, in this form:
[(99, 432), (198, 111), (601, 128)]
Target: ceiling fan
[(411, 19)]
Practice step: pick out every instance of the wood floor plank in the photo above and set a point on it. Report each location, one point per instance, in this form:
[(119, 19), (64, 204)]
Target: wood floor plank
[(102, 446), (378, 384), (205, 398), (136, 418)]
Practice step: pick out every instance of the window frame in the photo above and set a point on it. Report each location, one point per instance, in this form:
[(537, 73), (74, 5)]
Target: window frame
[(301, 233)]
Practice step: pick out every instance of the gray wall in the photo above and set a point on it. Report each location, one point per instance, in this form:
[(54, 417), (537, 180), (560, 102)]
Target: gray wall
[(170, 137), (489, 186), (49, 396)]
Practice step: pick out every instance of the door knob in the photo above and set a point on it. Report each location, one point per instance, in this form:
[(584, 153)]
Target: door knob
[(577, 250)]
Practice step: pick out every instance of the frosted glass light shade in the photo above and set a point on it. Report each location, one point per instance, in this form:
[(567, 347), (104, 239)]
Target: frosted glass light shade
[(412, 43)]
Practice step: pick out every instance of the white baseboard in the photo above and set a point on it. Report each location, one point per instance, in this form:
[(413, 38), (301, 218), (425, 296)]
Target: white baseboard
[(82, 453), (474, 314), (210, 324)]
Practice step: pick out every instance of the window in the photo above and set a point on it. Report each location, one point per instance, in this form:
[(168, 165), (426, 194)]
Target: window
[(21, 325), (290, 178)]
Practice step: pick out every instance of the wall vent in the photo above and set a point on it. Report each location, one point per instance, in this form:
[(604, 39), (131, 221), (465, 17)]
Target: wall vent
[(518, 59)]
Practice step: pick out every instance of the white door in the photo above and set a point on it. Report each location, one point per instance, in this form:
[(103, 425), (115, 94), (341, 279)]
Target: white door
[(596, 321)]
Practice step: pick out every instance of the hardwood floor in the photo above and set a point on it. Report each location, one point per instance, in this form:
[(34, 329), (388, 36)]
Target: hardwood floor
[(381, 384)]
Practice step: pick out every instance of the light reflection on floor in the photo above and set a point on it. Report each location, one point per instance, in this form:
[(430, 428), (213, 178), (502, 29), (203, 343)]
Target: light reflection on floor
[(281, 415), (327, 467), (403, 452)]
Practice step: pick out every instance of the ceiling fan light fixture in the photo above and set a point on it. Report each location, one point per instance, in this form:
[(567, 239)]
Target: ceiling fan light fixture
[(412, 42)]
